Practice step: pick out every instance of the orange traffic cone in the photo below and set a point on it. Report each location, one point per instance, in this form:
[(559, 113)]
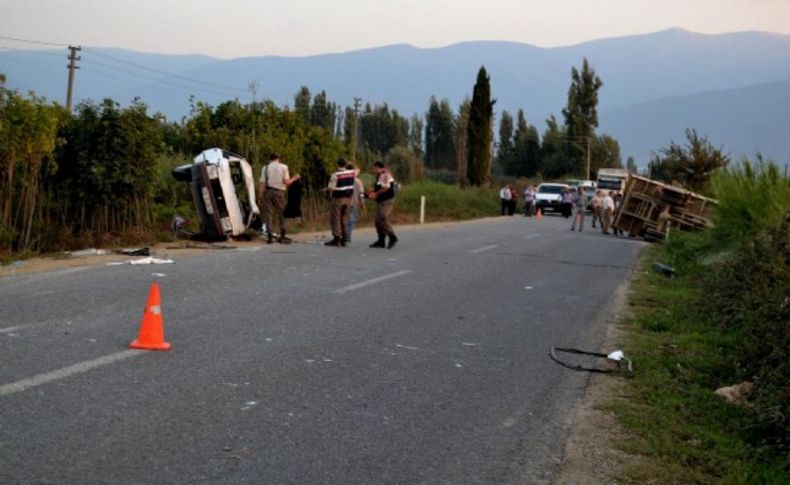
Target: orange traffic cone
[(538, 215), (152, 335)]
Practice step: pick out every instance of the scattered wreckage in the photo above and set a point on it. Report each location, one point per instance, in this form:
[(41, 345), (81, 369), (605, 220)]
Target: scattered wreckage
[(223, 190)]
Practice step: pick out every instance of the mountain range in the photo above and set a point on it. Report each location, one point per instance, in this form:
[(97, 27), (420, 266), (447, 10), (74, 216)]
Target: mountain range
[(733, 88)]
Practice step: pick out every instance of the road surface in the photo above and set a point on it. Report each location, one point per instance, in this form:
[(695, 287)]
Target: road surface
[(304, 364)]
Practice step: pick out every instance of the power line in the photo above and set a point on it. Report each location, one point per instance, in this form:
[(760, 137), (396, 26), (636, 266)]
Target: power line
[(159, 71), (28, 41), (34, 52), (156, 79)]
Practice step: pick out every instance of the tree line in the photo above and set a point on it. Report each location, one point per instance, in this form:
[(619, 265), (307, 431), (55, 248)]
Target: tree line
[(103, 171)]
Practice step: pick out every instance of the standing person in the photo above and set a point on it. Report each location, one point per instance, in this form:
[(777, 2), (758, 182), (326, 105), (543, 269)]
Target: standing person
[(513, 201), (357, 199), (597, 205), (384, 195), (272, 186), (504, 197), (581, 208), (566, 205), (341, 187), (529, 201), (607, 211), (618, 201)]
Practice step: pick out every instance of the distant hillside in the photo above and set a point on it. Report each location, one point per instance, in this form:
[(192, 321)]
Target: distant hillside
[(635, 69), (743, 120)]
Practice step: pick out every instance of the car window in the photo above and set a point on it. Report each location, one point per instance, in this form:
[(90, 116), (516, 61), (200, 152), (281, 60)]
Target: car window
[(550, 189)]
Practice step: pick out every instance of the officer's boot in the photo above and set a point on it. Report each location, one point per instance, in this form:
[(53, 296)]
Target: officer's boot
[(393, 241), (269, 238), (334, 242), (283, 239), (381, 243)]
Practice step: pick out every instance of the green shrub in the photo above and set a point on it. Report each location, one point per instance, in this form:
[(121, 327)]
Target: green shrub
[(448, 202), (751, 198)]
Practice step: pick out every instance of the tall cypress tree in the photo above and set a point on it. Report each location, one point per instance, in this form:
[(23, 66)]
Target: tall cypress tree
[(479, 136)]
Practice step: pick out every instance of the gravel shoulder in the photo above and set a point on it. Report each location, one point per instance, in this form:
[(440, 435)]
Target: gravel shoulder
[(590, 455)]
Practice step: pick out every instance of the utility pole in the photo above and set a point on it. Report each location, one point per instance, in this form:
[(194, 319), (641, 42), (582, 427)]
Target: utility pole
[(355, 130), (73, 58), (589, 139), (253, 86)]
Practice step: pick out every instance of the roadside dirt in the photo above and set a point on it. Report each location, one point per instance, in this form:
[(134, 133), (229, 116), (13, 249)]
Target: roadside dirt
[(590, 456)]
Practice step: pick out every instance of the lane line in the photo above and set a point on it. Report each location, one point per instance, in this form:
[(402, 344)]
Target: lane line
[(25, 326), (486, 248), (78, 368), (373, 281), (532, 236)]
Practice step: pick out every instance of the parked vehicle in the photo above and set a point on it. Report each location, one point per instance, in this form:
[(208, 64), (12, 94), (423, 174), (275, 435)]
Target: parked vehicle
[(549, 196), (223, 191)]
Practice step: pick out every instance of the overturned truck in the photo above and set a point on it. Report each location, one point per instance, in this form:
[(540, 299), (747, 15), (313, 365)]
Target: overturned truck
[(223, 190), (651, 209)]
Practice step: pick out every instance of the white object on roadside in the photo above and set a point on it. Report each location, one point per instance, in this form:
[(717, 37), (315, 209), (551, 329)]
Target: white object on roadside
[(151, 260), (88, 252), (617, 355)]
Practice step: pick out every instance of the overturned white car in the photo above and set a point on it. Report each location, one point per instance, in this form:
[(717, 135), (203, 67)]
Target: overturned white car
[(223, 190)]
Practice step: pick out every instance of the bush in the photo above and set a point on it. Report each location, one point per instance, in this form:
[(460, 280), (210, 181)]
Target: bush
[(748, 294), (448, 202)]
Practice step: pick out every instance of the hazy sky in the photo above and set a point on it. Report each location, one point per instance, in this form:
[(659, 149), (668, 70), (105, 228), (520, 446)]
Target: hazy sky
[(237, 28)]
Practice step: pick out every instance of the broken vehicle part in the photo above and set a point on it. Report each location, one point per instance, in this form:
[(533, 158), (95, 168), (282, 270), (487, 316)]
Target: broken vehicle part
[(621, 363)]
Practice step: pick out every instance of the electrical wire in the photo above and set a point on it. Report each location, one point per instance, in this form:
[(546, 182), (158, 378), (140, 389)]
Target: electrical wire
[(28, 41), (159, 71), (155, 79)]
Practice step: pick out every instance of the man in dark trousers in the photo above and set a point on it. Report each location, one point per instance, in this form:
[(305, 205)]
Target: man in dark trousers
[(273, 184), (384, 195), (341, 188)]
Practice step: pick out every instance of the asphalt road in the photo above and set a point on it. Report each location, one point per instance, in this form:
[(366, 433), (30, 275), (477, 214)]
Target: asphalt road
[(305, 364)]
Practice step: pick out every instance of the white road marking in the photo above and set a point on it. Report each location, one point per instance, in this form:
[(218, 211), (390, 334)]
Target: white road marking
[(486, 248), (373, 281), (532, 236), (405, 347), (79, 368), (26, 326)]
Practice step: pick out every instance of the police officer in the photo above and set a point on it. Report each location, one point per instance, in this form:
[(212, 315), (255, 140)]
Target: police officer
[(341, 187), (384, 195), (273, 184)]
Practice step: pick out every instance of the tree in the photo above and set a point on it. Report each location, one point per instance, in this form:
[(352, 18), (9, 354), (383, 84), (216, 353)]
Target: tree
[(461, 133), (302, 101), (479, 134), (440, 135), (630, 164), (605, 153), (415, 134), (691, 165), (581, 114), (505, 151), (553, 157), (526, 148), (323, 113)]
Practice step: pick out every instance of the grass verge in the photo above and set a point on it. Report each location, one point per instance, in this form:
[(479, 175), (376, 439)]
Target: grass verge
[(683, 432)]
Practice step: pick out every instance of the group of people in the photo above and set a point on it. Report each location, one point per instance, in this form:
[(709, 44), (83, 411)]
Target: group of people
[(604, 206), (347, 194), (509, 199)]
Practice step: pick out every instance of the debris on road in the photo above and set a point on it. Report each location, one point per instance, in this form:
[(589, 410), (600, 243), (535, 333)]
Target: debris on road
[(133, 251), (665, 270), (148, 260), (87, 252), (616, 357)]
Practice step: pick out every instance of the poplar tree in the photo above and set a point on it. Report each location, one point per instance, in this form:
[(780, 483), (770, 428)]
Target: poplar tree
[(479, 134), (581, 113)]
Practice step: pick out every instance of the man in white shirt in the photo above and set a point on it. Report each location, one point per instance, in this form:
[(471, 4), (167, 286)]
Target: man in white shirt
[(504, 196), (273, 184)]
